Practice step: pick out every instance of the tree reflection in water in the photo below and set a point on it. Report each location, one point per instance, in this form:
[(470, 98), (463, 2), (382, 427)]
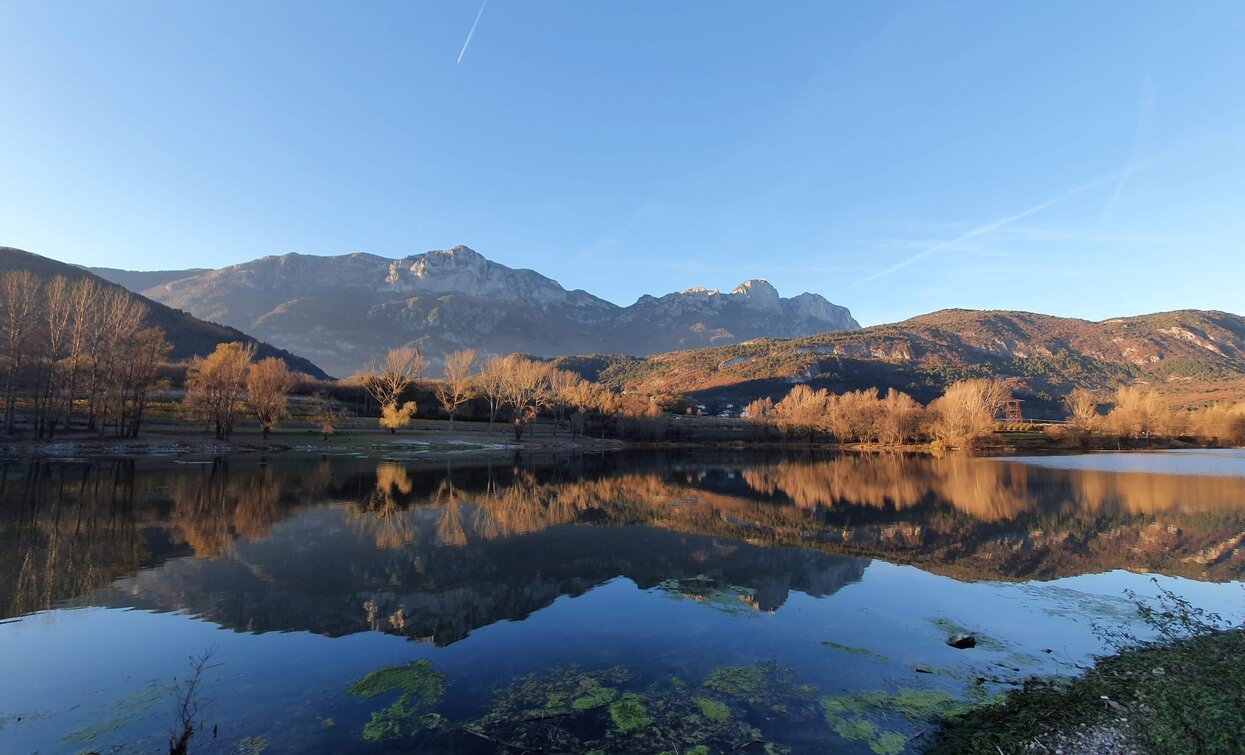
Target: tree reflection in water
[(340, 545)]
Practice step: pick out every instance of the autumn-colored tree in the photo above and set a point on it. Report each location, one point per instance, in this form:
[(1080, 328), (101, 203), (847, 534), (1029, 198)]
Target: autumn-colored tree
[(966, 410), (325, 413), (268, 386), (386, 381), (394, 417), (457, 388), (216, 385)]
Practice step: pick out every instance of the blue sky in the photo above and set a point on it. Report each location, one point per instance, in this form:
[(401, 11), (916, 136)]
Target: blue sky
[(1083, 159)]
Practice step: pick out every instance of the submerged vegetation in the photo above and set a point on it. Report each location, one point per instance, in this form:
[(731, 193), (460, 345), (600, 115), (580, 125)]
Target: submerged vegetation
[(411, 713)]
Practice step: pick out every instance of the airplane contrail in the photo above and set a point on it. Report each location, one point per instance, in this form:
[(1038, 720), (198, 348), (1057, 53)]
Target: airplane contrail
[(463, 52), (995, 225)]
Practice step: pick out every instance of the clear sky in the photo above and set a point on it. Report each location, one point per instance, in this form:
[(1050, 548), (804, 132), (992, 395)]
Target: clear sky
[(1083, 159)]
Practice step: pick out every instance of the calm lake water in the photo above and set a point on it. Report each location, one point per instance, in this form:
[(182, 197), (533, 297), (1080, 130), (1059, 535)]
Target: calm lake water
[(622, 603)]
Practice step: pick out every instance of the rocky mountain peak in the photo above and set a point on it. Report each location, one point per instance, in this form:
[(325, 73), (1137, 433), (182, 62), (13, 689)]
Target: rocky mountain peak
[(758, 293)]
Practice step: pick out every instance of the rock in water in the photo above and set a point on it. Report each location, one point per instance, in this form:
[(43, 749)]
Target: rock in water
[(962, 641)]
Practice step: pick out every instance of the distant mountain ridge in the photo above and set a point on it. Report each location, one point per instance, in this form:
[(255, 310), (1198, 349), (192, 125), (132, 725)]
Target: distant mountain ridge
[(188, 335), (342, 310), (1193, 356)]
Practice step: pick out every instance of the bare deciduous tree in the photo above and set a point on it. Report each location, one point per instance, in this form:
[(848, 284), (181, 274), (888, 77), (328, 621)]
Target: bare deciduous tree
[(489, 385), (802, 411), (966, 410), (387, 381), (457, 388), (19, 296), (1082, 410), (526, 389), (899, 421)]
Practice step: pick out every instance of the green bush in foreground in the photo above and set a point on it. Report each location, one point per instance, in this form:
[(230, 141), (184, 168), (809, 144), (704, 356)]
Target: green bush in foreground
[(1183, 692)]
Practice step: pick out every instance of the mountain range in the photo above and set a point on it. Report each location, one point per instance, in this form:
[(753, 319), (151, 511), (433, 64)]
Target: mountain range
[(188, 335), (342, 310), (1191, 356)]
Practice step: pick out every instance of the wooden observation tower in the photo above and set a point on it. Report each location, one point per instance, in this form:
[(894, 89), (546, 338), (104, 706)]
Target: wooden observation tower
[(1011, 411)]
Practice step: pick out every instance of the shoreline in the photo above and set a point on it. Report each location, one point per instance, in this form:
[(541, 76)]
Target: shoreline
[(436, 442)]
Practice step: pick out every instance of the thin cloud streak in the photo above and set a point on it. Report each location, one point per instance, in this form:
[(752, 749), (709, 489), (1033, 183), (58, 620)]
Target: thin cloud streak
[(1141, 134), (991, 227), (471, 33)]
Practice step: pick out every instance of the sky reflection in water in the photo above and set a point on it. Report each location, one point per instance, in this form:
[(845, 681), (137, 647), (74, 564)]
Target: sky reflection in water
[(306, 574)]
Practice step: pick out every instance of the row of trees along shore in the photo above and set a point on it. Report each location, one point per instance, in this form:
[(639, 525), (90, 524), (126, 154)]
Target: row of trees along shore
[(510, 386), (965, 414), (77, 353)]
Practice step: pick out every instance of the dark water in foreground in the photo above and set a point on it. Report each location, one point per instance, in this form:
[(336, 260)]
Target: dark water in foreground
[(626, 603)]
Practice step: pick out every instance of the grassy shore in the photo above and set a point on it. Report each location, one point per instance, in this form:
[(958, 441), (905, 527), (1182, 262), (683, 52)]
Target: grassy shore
[(1181, 693)]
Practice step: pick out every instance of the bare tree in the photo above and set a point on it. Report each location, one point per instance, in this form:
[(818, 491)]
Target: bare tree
[(526, 389), (1139, 413), (268, 386), (966, 410), (457, 388), (190, 703), (216, 385), (83, 295), (55, 327), (899, 420), (564, 390), (142, 358), (489, 385), (1082, 410), (386, 381), (116, 318), (19, 297), (801, 411)]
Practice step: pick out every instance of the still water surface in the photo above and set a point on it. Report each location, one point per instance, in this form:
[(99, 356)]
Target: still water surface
[(625, 603)]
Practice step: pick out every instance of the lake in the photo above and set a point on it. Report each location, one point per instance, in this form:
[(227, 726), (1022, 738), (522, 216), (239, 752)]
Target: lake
[(630, 602)]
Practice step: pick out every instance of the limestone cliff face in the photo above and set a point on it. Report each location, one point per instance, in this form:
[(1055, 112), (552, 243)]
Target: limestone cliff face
[(339, 311)]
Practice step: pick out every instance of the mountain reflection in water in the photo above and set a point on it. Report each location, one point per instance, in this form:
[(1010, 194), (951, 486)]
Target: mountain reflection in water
[(337, 546)]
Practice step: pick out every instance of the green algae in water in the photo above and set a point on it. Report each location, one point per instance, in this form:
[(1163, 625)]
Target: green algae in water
[(595, 698), (852, 716), (126, 710), (252, 746), (417, 678), (572, 710), (422, 687), (713, 709), (853, 650), (764, 687), (629, 713)]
